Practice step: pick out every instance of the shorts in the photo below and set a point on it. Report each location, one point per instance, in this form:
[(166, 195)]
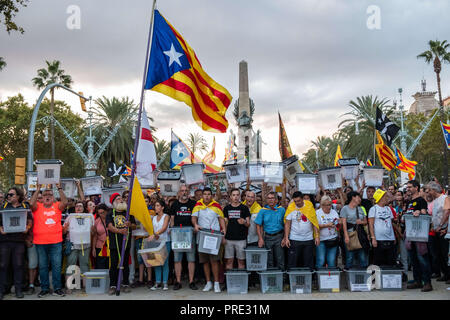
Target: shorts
[(190, 256), (77, 255), (32, 257), (235, 246), (206, 257)]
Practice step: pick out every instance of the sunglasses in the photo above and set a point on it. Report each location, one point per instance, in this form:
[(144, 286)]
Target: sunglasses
[(10, 195)]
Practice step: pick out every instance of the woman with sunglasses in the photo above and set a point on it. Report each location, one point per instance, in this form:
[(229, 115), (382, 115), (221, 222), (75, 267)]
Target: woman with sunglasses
[(12, 245)]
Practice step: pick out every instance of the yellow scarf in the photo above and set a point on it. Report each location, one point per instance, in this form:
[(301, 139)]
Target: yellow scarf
[(254, 208), (213, 205), (307, 210)]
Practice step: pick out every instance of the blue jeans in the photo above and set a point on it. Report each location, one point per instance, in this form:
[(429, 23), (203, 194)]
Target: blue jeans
[(362, 258), (50, 253), (163, 269), (421, 265), (323, 252)]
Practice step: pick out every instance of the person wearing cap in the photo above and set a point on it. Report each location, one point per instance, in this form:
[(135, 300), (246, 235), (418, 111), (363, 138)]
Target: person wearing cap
[(118, 227), (382, 230)]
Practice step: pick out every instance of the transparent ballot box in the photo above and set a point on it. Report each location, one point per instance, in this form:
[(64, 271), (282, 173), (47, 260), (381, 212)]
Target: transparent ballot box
[(300, 280), (330, 178), (329, 279), (80, 228), (237, 281), (417, 228), (256, 171), (373, 176), (357, 279), (349, 168), (307, 183), (391, 278), (154, 253), (92, 185), (271, 280), (169, 182), (193, 173), (97, 281), (256, 258), (48, 171), (14, 220), (273, 172), (209, 241), (292, 167), (236, 173), (182, 239)]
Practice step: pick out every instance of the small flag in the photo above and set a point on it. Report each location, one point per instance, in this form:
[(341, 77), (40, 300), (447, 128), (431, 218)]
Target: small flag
[(369, 163), (1, 158), (175, 71), (445, 131), (283, 142), (179, 152), (146, 153), (405, 165), (138, 208), (386, 127), (211, 156), (337, 156), (127, 171), (385, 154), (82, 102), (229, 149)]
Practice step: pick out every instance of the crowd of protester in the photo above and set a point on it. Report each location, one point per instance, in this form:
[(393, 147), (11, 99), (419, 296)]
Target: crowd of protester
[(299, 230)]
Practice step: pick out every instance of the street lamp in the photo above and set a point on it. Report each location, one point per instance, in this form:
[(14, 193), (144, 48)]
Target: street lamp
[(46, 134)]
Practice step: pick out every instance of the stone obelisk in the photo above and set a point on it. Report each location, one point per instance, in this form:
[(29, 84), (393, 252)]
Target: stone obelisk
[(245, 133)]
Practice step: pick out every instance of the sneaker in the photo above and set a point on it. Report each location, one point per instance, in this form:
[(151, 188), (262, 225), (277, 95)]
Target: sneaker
[(150, 284), (414, 285), (156, 287), (216, 287), (31, 290), (126, 289), (166, 287), (58, 293), (177, 286), (19, 294), (427, 287), (208, 286), (43, 294), (193, 286), (112, 291)]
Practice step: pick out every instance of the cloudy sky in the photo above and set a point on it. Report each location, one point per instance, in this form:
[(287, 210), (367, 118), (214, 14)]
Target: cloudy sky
[(306, 58)]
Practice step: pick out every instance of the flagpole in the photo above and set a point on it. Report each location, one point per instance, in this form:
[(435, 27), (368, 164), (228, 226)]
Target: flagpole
[(136, 142), (374, 142)]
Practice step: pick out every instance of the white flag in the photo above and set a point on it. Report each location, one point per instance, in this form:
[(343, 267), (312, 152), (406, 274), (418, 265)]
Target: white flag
[(146, 154)]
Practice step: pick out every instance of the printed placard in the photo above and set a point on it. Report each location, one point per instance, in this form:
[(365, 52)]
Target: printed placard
[(329, 282), (210, 243), (392, 281)]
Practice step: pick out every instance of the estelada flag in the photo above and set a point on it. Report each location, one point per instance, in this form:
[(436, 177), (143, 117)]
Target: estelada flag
[(405, 165), (445, 131), (283, 142), (385, 154), (337, 156), (175, 71)]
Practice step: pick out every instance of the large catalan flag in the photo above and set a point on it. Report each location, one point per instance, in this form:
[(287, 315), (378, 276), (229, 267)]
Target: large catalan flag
[(405, 165), (385, 154), (175, 71), (446, 132)]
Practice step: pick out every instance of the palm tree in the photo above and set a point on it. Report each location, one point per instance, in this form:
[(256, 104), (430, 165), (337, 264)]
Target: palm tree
[(45, 77), (2, 64), (438, 53), (196, 142), (359, 141), (162, 148), (108, 113)]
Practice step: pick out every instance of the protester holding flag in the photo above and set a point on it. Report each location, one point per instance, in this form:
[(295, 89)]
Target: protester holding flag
[(118, 227), (100, 241), (207, 214), (161, 233)]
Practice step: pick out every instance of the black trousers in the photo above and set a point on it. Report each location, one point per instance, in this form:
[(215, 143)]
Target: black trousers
[(384, 253), (114, 269), (439, 252), (12, 253), (302, 251), (101, 262)]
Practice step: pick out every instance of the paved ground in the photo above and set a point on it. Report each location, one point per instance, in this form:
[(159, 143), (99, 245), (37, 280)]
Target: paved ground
[(440, 292)]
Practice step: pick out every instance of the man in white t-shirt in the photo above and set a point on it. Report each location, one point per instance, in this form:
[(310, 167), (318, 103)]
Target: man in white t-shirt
[(381, 230), (438, 242)]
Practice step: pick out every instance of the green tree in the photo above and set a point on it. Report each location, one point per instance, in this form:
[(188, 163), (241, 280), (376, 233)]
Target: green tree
[(196, 142), (438, 53), (9, 9), (45, 77), (15, 116), (162, 148), (2, 64)]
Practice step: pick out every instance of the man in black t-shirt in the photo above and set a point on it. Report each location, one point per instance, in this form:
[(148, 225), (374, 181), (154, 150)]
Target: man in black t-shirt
[(237, 218), (181, 214), (418, 251), (118, 226)]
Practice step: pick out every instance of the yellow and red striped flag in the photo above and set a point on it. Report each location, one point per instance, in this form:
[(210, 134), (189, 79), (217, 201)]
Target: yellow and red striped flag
[(369, 163), (1, 158), (337, 156), (211, 156), (385, 154), (175, 71), (405, 165)]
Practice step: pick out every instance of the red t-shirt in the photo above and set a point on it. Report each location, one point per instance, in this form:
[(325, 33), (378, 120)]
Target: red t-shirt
[(47, 228)]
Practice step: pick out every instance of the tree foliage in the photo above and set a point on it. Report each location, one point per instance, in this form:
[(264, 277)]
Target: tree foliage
[(8, 11)]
